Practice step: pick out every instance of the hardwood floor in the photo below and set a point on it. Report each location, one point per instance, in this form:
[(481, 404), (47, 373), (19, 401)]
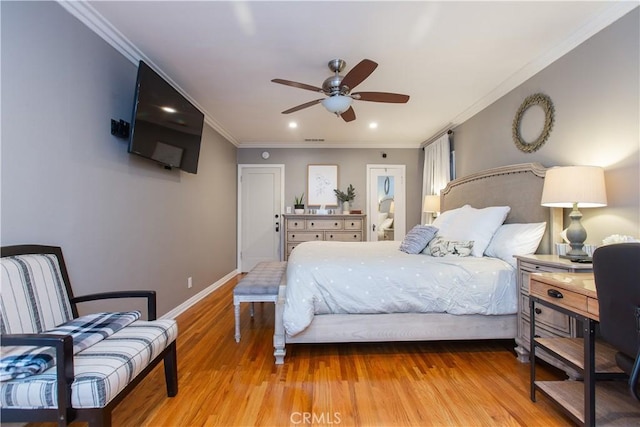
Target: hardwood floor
[(478, 383)]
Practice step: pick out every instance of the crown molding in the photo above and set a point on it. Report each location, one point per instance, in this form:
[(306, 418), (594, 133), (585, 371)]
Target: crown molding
[(614, 12), (90, 17)]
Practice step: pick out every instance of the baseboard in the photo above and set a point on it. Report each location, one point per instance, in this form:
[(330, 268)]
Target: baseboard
[(197, 297)]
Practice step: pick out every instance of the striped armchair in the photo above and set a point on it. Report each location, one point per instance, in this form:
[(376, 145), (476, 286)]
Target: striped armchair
[(37, 306)]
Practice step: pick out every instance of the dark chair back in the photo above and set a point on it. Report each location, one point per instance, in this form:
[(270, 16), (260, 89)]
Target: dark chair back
[(616, 269)]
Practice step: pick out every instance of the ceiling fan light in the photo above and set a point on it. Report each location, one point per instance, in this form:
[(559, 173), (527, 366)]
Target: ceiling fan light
[(337, 104)]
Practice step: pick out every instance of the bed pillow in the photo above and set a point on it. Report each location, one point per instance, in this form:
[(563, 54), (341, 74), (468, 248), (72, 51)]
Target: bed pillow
[(418, 238), (477, 225), (386, 224), (446, 218), (515, 239), (440, 247)]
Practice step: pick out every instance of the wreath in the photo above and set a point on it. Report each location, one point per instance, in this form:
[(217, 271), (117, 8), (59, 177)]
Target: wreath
[(547, 106)]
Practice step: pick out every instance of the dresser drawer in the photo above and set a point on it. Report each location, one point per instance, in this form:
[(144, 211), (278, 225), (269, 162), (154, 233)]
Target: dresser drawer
[(355, 224), (295, 224), (568, 298), (344, 236), (291, 247), (324, 224), (546, 316), (304, 236)]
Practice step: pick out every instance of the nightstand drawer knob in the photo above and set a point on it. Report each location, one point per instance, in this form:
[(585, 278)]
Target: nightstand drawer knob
[(554, 293), (538, 310)]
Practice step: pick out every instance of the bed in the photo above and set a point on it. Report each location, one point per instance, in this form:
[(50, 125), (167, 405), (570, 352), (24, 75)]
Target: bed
[(331, 319)]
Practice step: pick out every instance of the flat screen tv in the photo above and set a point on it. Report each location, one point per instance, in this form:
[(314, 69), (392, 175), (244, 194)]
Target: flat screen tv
[(165, 126)]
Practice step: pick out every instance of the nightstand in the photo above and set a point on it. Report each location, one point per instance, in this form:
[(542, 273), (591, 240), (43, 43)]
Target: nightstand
[(549, 322)]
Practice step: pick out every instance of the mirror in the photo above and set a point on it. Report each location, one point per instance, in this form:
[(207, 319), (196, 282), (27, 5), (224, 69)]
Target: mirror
[(385, 194)]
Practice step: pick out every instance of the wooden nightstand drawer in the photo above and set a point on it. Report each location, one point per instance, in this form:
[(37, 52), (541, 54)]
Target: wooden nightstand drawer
[(304, 236), (547, 317), (558, 295), (529, 266), (324, 224), (295, 224), (343, 236)]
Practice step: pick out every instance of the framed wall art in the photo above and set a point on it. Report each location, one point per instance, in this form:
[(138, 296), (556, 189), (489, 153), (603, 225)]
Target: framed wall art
[(321, 181)]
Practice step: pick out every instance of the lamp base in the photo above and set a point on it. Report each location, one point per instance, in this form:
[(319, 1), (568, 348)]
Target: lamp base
[(577, 258)]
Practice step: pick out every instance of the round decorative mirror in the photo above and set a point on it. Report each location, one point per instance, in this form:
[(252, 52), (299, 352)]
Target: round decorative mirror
[(527, 113)]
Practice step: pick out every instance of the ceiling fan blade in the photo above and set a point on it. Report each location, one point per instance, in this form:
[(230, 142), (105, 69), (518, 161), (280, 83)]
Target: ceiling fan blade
[(298, 85), (381, 97), (349, 115), (301, 106), (358, 73)]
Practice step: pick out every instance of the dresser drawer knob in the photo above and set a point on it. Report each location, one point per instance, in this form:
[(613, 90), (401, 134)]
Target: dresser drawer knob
[(538, 310), (335, 224), (317, 236), (553, 293)]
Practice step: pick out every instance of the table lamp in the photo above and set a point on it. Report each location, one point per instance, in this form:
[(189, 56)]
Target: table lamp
[(431, 205), (574, 187)]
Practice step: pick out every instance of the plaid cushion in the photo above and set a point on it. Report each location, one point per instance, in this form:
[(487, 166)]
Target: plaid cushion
[(21, 361), (264, 278), (101, 371)]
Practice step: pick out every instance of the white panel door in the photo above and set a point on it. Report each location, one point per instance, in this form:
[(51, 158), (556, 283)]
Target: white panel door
[(386, 201), (260, 212)]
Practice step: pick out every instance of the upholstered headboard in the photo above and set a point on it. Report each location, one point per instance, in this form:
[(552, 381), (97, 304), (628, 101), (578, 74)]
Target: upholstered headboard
[(518, 186)]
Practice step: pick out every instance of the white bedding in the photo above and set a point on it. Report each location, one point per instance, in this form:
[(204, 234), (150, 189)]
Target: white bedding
[(376, 277)]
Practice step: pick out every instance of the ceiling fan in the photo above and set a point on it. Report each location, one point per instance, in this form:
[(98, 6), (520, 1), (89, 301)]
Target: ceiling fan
[(338, 90)]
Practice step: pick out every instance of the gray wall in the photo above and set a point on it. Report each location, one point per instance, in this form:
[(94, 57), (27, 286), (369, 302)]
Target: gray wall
[(595, 91), (351, 163), (122, 221)]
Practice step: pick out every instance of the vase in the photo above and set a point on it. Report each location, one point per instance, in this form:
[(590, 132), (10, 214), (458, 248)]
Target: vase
[(345, 207)]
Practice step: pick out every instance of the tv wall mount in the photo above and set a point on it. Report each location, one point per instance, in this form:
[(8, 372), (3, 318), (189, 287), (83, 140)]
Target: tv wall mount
[(120, 128)]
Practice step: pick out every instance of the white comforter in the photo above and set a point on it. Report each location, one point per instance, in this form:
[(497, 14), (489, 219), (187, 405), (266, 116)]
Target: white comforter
[(376, 277)]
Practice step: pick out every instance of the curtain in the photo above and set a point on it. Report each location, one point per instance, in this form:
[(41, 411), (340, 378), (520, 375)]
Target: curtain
[(436, 173)]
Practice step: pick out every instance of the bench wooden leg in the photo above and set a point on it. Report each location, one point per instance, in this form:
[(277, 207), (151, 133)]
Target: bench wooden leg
[(171, 370), (236, 310)]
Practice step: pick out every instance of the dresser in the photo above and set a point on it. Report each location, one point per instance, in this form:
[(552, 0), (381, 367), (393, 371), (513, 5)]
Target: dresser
[(307, 227), (550, 323)]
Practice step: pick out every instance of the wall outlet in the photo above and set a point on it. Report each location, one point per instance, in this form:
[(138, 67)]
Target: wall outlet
[(190, 282)]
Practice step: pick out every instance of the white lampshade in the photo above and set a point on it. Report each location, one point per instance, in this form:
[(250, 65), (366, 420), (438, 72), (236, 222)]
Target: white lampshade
[(431, 203), (337, 104), (564, 186)]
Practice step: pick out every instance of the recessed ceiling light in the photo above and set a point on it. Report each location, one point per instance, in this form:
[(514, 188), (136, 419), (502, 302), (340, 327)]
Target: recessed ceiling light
[(293, 125), (169, 109), (373, 125)]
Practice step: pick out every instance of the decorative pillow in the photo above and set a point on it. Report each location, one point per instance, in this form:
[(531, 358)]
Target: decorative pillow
[(515, 239), (471, 224), (441, 247), (418, 238)]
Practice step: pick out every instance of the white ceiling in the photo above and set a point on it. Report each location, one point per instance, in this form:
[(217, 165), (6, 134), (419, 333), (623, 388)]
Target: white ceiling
[(453, 59)]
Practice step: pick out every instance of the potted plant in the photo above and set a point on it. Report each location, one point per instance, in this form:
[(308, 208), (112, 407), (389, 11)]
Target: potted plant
[(298, 205), (345, 198)]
